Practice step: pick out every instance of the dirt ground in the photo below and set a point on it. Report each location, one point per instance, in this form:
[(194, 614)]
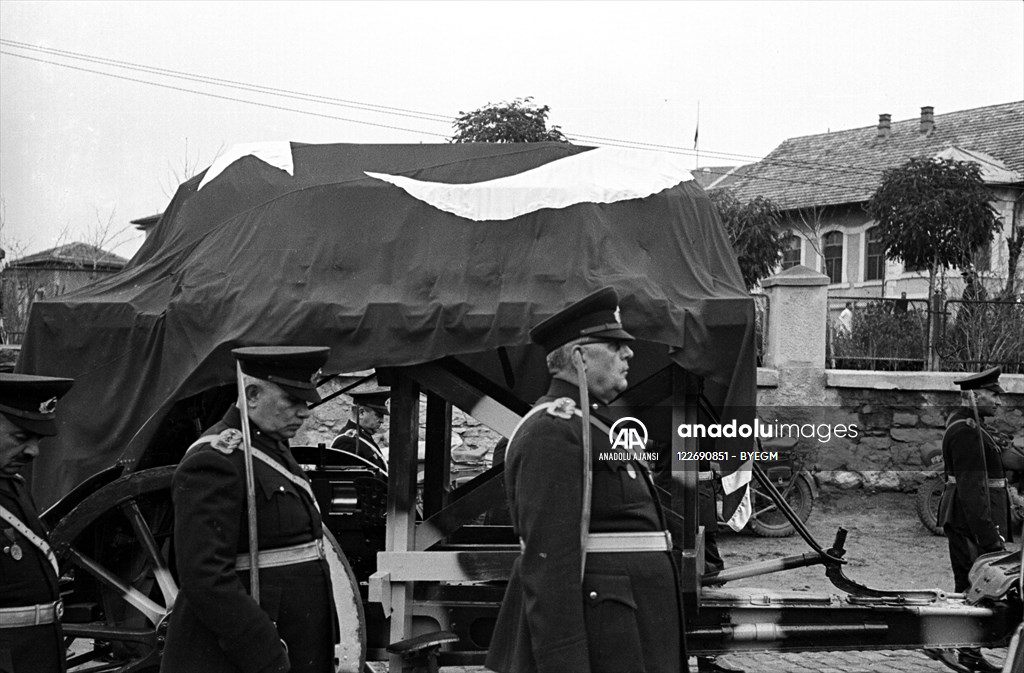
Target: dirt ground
[(887, 546)]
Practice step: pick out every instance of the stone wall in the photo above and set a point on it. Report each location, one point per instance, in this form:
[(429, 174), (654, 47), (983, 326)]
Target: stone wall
[(896, 430)]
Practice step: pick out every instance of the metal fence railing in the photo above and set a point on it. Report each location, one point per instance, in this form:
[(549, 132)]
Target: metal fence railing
[(877, 333), (980, 334)]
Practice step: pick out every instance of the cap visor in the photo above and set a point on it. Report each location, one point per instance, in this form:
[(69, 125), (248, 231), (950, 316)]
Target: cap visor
[(43, 428), (306, 394), (613, 334)]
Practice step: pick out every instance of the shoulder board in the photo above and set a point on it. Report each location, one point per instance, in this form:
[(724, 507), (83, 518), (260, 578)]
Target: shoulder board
[(349, 433), (563, 407), (227, 441), (968, 421)]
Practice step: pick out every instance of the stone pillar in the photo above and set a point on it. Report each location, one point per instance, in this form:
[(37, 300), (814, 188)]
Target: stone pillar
[(797, 312), (797, 318)]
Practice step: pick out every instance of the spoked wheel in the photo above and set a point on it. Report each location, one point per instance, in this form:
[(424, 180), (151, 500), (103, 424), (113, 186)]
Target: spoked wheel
[(767, 520), (116, 547), (927, 502)]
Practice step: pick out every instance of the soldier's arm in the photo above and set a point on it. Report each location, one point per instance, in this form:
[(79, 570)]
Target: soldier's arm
[(549, 500), (968, 466), (209, 502)]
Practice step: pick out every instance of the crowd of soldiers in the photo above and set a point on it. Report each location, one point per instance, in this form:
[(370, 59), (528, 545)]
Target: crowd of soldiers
[(594, 589)]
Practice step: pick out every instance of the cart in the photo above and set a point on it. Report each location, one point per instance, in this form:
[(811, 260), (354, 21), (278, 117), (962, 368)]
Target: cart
[(429, 264)]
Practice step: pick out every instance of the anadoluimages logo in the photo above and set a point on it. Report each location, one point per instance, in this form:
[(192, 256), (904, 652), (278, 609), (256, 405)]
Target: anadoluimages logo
[(628, 433)]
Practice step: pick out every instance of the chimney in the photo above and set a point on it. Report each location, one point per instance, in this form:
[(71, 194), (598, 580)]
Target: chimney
[(927, 119), (884, 125)]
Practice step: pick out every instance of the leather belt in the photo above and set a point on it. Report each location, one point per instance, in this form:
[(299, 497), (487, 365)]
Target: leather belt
[(631, 541), (997, 483), (31, 615), (284, 556), (705, 475)]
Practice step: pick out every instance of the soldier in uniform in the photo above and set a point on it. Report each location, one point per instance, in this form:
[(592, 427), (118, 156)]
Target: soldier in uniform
[(30, 607), (368, 411), (595, 587), (974, 508), (217, 626)]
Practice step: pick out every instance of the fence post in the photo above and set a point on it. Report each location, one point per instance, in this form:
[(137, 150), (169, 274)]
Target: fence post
[(936, 324)]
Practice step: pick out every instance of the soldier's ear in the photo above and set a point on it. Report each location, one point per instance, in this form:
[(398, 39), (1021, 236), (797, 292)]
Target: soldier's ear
[(252, 393)]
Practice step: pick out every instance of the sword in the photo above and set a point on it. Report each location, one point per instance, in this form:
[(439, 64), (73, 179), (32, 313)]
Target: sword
[(250, 488)]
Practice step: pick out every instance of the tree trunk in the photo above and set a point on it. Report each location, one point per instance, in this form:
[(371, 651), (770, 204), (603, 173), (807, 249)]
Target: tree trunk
[(1014, 244)]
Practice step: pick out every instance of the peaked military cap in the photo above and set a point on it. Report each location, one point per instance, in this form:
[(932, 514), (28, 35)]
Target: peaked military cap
[(596, 316), (986, 380), (375, 399), (294, 368), (30, 402)]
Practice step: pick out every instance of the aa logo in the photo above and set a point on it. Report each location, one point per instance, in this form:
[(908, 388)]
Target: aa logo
[(628, 434)]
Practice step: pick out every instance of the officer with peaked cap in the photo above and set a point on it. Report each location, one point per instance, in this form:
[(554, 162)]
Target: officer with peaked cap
[(30, 607), (217, 626), (974, 510), (594, 588), (369, 407)]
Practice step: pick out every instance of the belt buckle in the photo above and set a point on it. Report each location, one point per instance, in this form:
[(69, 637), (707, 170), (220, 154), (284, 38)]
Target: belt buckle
[(58, 610), (320, 548)]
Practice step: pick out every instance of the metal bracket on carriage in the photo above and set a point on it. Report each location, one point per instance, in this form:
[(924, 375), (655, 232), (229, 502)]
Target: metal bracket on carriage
[(833, 560)]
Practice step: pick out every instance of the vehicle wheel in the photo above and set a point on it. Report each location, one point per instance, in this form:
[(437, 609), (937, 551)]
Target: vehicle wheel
[(767, 520), (114, 548), (927, 503)]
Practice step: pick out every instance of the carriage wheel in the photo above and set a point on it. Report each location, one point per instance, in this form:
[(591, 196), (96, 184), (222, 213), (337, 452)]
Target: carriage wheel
[(115, 548)]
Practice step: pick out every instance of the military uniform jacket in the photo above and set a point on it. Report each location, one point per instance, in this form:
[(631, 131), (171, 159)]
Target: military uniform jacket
[(971, 506), (216, 625), (625, 616), (355, 439), (27, 581)]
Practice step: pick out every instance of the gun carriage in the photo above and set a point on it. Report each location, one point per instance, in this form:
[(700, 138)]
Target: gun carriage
[(429, 264)]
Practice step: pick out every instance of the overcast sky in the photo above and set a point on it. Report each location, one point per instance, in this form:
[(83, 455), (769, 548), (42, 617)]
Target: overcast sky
[(79, 149)]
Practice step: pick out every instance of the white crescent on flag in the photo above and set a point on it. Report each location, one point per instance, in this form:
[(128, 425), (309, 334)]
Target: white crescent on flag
[(602, 175), (277, 153)]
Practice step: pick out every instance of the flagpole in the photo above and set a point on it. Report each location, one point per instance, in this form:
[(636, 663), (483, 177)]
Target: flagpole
[(696, 136)]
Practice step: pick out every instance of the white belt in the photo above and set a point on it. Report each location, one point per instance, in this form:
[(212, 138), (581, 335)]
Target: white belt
[(705, 475), (284, 556), (625, 542), (31, 615), (998, 483), (631, 541)]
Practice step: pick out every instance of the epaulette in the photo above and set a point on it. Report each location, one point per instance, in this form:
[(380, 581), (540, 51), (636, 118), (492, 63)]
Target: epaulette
[(349, 433), (563, 407), (227, 441), (969, 421)]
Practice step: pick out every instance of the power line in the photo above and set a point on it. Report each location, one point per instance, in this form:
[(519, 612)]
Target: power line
[(221, 97), (369, 107), (372, 107)]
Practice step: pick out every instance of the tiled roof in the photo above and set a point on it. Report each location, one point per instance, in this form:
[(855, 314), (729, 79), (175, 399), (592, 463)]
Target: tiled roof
[(72, 254), (847, 166)]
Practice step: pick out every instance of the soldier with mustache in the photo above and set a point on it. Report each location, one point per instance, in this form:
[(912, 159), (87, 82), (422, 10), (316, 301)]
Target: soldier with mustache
[(30, 607), (217, 626)]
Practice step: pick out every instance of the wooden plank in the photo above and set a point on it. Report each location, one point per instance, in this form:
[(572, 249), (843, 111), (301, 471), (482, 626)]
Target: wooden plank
[(462, 511), (448, 566), (466, 397), (401, 516), (437, 477)]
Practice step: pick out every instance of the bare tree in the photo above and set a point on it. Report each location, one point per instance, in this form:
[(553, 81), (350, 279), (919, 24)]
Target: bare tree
[(191, 164)]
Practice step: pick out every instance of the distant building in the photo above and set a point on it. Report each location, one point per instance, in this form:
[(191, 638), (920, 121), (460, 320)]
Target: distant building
[(822, 182), (49, 274)]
